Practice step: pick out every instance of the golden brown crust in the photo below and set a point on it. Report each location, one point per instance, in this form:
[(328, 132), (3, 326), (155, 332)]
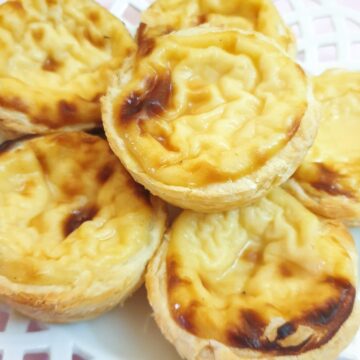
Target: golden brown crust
[(165, 16), (72, 254), (328, 180), (220, 195), (56, 74)]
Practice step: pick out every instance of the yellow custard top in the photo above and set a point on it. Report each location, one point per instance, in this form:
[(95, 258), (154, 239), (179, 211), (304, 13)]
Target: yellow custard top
[(207, 106), (56, 58), (70, 214), (271, 277), (333, 163), (262, 16)]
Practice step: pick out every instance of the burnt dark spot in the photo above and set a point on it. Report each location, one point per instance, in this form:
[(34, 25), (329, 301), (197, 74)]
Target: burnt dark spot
[(145, 44), (328, 182), (152, 102), (78, 217), (11, 144), (50, 64), (14, 103), (184, 322), (67, 110), (285, 330), (98, 131), (105, 173), (334, 309), (248, 332)]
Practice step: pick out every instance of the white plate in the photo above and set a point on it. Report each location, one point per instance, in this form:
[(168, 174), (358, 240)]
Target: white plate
[(328, 35)]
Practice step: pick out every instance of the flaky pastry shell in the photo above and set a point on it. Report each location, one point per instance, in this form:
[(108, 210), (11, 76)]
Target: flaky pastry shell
[(56, 60), (270, 281), (328, 180), (76, 231), (165, 16), (210, 119)]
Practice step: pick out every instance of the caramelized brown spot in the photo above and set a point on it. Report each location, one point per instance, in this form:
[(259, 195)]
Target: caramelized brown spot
[(293, 129), (328, 182), (94, 17), (105, 173), (286, 270), (252, 256), (50, 64), (202, 19), (145, 44), (15, 4), (97, 98), (78, 217), (10, 144), (14, 103), (165, 142), (67, 110), (37, 34), (43, 162), (173, 280), (152, 102), (28, 188), (95, 40)]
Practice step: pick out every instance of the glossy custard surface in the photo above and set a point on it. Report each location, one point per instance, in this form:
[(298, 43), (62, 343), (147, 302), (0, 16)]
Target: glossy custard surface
[(271, 277), (70, 215), (209, 107)]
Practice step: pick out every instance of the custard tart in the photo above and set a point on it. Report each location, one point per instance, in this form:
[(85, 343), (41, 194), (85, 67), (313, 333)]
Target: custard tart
[(268, 281), (328, 181), (76, 232), (210, 119), (56, 59), (165, 16)]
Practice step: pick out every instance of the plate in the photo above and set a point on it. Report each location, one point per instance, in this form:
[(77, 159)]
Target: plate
[(328, 34)]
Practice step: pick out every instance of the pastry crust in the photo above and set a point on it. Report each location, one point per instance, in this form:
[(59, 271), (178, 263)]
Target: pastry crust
[(57, 58), (165, 120), (181, 330), (328, 181), (76, 231), (262, 16)]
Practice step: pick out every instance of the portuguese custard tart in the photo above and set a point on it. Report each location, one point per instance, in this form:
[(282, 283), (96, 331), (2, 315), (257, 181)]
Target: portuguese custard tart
[(210, 119), (165, 16), (56, 59), (76, 232), (268, 281), (328, 181)]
